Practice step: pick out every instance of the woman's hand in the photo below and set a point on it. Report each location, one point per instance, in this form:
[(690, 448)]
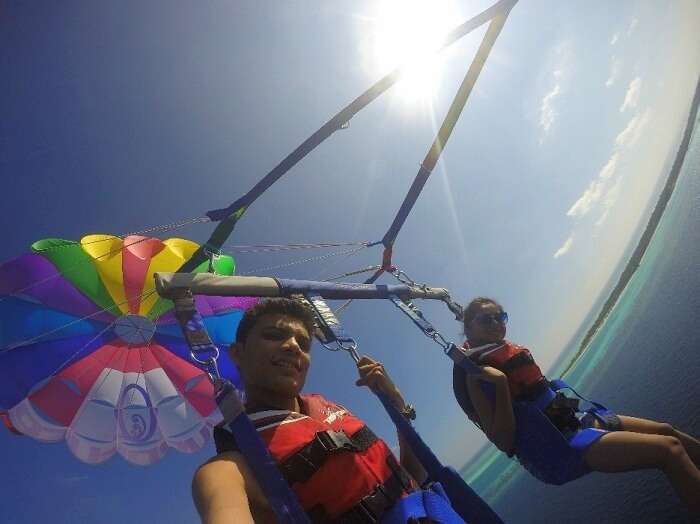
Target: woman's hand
[(374, 376), (491, 374)]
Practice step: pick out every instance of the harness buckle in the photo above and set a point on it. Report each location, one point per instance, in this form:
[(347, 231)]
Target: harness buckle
[(332, 441)]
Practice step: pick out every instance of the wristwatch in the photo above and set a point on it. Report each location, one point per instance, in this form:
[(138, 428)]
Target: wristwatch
[(409, 412)]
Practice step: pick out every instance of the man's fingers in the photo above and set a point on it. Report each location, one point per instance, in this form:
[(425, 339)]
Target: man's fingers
[(366, 360), (371, 377)]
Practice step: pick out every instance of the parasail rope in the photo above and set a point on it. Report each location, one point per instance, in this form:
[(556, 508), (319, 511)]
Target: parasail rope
[(82, 263), (85, 346), (141, 371), (306, 260), (352, 273), (31, 340), (267, 248), (172, 226)]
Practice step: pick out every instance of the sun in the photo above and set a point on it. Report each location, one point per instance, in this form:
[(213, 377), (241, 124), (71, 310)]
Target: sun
[(408, 32)]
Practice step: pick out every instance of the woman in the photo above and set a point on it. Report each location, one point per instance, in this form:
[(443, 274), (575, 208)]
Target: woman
[(505, 396)]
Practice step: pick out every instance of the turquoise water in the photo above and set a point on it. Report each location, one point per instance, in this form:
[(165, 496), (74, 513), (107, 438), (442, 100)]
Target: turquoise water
[(643, 362)]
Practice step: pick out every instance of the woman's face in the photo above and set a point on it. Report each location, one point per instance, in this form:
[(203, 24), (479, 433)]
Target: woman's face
[(487, 326)]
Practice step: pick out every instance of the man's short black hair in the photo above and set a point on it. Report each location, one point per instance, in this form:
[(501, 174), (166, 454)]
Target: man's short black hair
[(275, 306)]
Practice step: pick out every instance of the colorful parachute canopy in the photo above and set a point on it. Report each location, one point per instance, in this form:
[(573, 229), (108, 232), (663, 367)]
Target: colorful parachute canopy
[(90, 354)]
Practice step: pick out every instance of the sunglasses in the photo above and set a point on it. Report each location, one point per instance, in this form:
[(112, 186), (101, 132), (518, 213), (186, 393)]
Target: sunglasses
[(487, 318)]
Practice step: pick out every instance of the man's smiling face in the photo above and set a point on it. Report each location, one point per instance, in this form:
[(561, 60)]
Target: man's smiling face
[(275, 356)]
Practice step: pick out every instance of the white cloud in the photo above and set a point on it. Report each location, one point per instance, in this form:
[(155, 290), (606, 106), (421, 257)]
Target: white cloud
[(604, 191), (565, 247), (584, 204), (629, 136), (556, 86), (632, 95), (548, 113), (614, 38), (614, 72), (632, 26), (610, 200), (609, 168), (595, 190)]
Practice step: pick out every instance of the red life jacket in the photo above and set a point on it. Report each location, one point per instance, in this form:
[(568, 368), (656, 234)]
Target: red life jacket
[(524, 376), (340, 479)]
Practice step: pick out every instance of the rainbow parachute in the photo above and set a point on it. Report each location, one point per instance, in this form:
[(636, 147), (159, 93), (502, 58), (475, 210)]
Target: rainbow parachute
[(90, 354)]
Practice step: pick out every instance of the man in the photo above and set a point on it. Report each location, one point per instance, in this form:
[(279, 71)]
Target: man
[(273, 354)]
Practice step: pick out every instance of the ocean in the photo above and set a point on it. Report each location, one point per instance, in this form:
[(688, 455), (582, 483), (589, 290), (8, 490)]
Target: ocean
[(644, 361)]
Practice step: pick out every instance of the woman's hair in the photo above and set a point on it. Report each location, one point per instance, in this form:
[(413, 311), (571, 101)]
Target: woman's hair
[(275, 306), (473, 308)]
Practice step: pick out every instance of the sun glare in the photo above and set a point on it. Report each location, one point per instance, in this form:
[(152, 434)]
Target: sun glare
[(408, 32)]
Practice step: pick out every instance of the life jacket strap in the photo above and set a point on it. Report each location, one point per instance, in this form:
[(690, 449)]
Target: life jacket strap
[(371, 508), (517, 361), (303, 464)]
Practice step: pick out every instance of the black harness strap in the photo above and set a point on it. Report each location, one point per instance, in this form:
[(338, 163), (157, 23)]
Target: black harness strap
[(302, 465), (517, 361)]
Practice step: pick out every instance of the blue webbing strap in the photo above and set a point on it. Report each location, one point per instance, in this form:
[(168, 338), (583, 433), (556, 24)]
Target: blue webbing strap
[(282, 499), (429, 504), (280, 496), (340, 290), (465, 501), (415, 315)]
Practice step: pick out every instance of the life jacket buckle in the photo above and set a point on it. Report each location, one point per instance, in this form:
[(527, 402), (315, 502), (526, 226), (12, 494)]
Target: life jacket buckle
[(332, 441)]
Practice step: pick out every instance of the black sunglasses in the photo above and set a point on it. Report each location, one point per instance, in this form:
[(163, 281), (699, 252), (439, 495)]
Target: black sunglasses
[(487, 318)]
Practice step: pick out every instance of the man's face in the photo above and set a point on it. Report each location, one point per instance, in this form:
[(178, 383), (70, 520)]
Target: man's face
[(275, 356), (485, 328)]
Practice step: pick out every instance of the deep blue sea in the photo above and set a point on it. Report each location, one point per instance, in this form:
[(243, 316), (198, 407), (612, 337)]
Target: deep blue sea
[(645, 362)]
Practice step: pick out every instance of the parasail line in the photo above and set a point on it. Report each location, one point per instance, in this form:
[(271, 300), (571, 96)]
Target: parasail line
[(352, 273), (172, 226), (229, 216), (26, 342), (267, 248), (141, 371), (305, 260), (72, 357), (77, 265)]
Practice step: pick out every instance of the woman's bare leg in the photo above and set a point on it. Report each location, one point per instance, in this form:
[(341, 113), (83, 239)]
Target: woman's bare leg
[(626, 451), (641, 425)]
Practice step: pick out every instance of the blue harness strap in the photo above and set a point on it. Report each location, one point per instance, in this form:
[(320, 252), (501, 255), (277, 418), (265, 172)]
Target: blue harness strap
[(430, 504), (464, 500)]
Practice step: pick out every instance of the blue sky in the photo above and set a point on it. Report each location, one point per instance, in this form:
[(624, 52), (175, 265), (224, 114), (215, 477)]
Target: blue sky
[(119, 116)]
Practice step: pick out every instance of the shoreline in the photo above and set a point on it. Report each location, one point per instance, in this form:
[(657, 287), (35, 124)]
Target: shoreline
[(644, 241)]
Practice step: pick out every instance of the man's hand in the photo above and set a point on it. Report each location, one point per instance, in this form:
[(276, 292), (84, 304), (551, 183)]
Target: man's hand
[(374, 376)]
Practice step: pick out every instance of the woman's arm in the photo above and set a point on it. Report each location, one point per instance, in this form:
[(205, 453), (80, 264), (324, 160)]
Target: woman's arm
[(225, 491), (496, 417)]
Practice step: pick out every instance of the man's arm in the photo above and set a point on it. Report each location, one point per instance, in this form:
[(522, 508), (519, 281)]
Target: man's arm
[(373, 375), (410, 462), (225, 491)]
